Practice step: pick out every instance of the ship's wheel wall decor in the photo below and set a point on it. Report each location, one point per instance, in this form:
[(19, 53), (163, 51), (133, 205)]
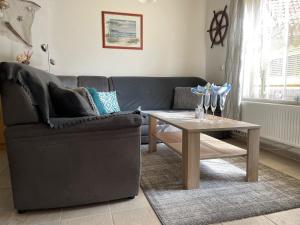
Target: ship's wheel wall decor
[(219, 27)]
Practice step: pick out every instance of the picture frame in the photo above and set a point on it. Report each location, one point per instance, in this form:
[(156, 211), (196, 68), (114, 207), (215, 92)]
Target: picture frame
[(122, 30)]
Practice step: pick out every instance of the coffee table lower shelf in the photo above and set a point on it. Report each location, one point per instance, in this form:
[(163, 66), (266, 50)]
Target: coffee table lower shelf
[(210, 148)]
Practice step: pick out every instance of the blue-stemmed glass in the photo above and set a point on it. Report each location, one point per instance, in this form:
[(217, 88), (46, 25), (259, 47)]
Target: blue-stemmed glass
[(225, 89), (199, 91), (222, 103)]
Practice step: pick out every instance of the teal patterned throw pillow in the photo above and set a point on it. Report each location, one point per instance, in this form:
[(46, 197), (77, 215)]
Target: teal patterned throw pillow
[(109, 102), (93, 92)]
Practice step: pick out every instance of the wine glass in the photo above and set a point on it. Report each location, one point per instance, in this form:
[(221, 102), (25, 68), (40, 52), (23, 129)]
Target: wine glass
[(206, 102), (214, 102), (200, 105), (226, 88), (222, 103), (199, 109)]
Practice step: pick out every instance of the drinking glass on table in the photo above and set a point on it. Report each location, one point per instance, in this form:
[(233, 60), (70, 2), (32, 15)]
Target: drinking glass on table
[(206, 102), (200, 105), (226, 88), (214, 103), (222, 104)]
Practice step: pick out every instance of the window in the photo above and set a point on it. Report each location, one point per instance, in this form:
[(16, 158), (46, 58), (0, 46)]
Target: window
[(278, 76)]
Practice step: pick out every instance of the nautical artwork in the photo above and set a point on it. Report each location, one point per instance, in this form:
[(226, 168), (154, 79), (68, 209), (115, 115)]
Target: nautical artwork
[(16, 20), (122, 30)]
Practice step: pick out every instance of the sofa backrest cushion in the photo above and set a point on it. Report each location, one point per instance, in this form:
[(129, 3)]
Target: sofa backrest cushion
[(184, 99), (17, 107), (149, 93), (69, 81), (98, 82)]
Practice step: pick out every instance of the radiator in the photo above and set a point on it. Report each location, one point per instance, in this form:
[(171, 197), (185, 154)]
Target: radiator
[(280, 123)]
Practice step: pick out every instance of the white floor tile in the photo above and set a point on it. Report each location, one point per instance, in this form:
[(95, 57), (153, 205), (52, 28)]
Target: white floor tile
[(291, 217), (100, 219)]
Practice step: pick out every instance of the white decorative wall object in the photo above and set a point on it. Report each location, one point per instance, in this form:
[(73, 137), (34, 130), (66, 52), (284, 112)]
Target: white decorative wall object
[(17, 19)]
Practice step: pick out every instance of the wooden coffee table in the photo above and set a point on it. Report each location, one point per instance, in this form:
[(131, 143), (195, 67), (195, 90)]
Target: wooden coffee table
[(195, 146)]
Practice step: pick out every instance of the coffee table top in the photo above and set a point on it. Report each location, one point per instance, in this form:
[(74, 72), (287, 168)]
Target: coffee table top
[(187, 121)]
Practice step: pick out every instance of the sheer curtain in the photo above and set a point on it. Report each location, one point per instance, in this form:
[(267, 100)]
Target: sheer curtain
[(252, 54), (272, 50), (233, 58), (243, 50)]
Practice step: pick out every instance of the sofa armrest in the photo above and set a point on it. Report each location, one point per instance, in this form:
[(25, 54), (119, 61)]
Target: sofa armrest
[(109, 122), (115, 122), (87, 163)]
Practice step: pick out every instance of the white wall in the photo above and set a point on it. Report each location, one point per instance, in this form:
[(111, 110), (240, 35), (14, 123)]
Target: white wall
[(40, 34), (174, 38), (216, 56), (174, 42)]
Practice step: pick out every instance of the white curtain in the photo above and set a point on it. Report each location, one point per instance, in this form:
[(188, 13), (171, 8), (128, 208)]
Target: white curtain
[(233, 58), (271, 49), (243, 50), (252, 60)]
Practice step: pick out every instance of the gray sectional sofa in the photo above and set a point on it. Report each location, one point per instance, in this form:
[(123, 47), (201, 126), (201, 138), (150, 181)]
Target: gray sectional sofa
[(146, 93), (87, 163)]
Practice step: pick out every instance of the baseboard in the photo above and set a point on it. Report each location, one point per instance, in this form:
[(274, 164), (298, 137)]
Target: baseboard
[(272, 146)]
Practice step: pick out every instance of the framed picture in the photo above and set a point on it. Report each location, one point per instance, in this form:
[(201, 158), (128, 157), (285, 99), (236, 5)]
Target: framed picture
[(122, 30)]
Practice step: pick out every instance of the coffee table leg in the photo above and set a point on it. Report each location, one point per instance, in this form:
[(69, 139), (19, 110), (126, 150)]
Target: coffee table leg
[(152, 134), (191, 159), (253, 155)]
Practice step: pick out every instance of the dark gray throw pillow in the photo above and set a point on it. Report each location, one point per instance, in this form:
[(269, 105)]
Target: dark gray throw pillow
[(184, 99), (69, 103)]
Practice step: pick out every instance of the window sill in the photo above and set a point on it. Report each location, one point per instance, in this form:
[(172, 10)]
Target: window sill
[(270, 101)]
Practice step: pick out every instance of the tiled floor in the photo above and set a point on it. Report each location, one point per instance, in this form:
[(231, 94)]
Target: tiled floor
[(128, 212)]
